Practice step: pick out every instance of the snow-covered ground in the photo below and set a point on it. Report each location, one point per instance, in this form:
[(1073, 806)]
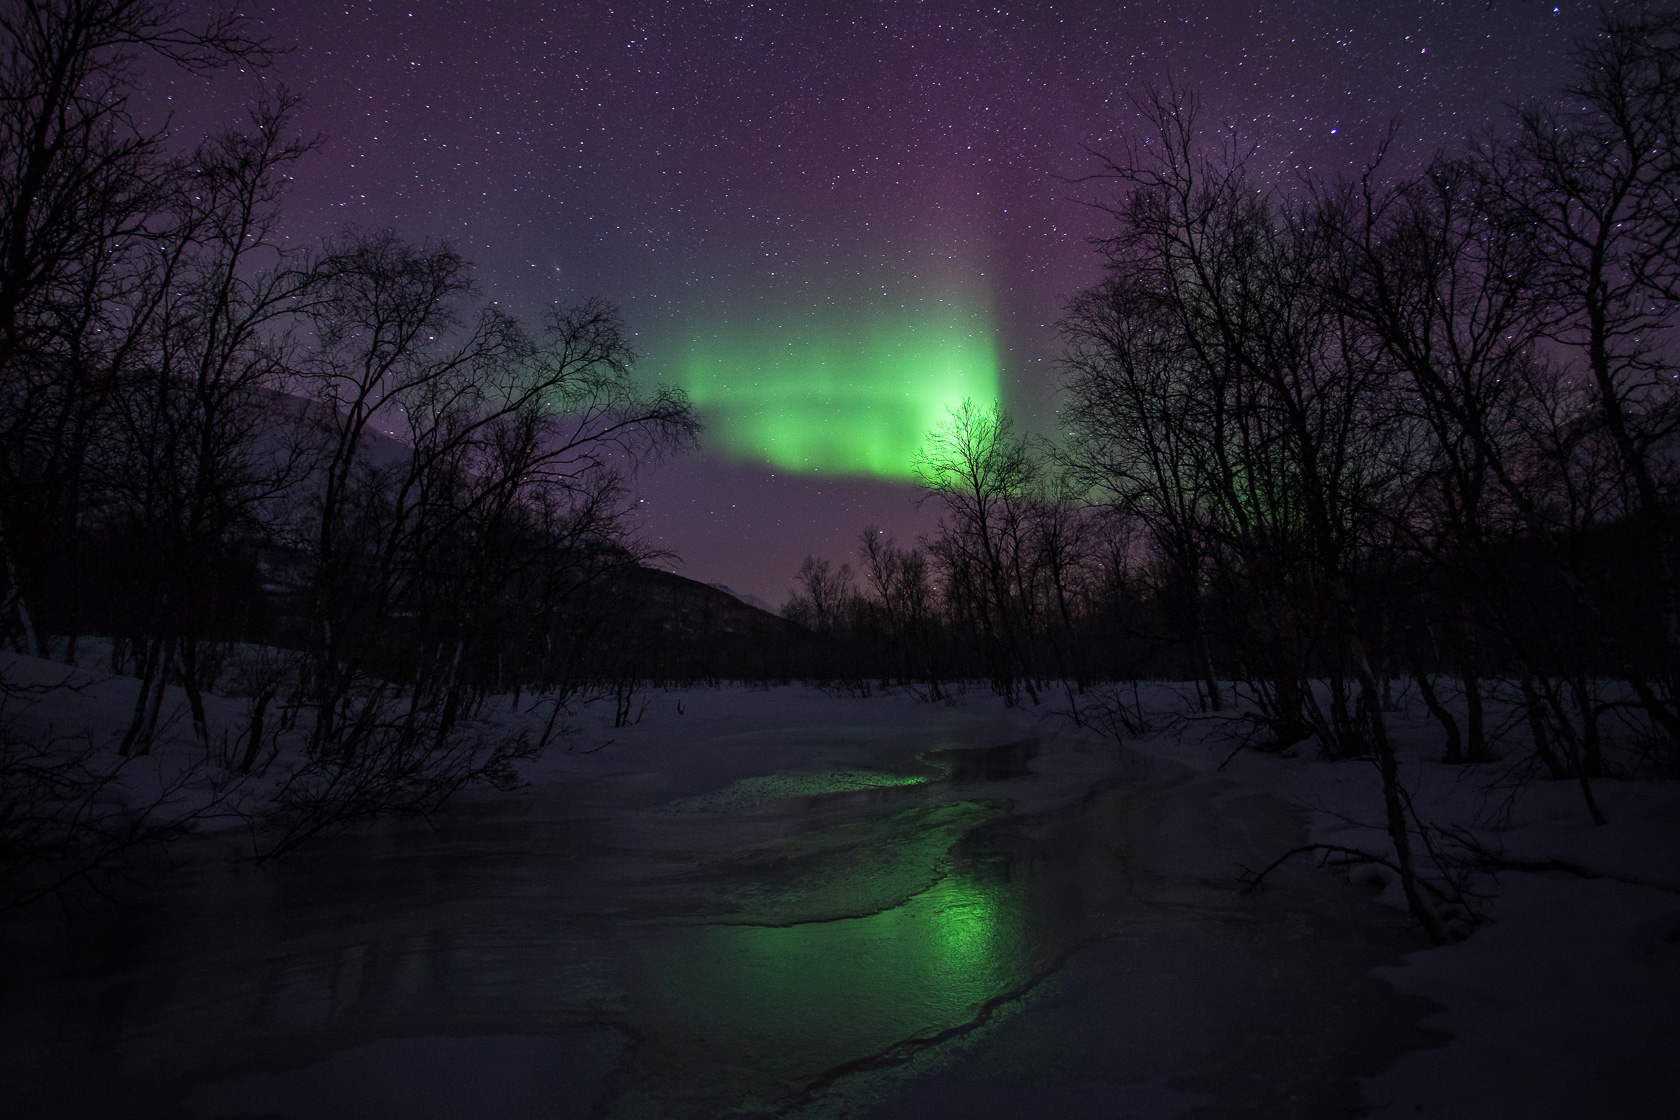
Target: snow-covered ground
[(1562, 1002), (1151, 994)]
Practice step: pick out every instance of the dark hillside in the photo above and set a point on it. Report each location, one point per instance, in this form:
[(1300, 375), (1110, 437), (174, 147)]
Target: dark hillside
[(686, 630)]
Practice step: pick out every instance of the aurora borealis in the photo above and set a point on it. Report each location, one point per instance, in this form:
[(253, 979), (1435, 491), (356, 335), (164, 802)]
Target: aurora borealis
[(844, 395), (828, 221)]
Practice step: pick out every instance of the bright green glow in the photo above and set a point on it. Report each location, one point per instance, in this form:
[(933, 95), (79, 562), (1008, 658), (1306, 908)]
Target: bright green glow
[(968, 931), (852, 394), (794, 1001)]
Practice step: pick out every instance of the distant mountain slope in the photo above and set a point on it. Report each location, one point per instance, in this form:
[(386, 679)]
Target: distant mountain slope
[(750, 600), (696, 604), (695, 630)]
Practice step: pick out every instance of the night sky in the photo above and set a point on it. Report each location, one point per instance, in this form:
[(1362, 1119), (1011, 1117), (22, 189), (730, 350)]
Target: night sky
[(827, 220)]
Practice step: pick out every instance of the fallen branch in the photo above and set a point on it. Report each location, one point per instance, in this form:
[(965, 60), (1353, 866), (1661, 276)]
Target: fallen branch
[(1486, 860), (1251, 882), (1356, 856)]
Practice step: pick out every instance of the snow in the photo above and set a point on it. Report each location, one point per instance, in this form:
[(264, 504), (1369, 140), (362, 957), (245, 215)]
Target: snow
[(1559, 1002), (1562, 1002)]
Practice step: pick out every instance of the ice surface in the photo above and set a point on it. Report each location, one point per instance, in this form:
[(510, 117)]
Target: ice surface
[(796, 903)]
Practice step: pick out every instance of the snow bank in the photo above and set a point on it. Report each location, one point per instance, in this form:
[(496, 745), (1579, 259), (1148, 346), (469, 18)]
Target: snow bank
[(1561, 1002)]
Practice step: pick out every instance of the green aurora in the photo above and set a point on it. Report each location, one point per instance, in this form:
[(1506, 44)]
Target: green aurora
[(851, 395)]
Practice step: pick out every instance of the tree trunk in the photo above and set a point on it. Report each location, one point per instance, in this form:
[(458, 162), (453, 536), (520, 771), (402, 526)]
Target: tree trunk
[(1426, 689), (1475, 722)]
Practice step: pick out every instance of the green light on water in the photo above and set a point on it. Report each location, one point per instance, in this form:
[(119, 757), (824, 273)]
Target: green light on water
[(794, 1001), (850, 395), (967, 932)]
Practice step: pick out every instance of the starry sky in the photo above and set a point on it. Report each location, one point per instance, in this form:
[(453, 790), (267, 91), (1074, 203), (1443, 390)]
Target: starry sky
[(770, 190)]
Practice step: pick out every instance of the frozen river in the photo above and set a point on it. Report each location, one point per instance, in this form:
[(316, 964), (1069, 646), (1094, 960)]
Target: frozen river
[(771, 904)]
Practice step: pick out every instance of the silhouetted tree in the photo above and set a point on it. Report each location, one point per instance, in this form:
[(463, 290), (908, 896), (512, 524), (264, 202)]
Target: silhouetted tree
[(84, 191), (982, 474)]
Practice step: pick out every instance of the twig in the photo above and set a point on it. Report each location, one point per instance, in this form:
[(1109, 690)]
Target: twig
[(1252, 882)]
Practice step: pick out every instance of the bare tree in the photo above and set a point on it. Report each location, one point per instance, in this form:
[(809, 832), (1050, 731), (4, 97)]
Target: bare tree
[(1295, 452), (899, 583), (189, 469), (1597, 175), (982, 473), (1135, 439), (80, 183), (465, 478)]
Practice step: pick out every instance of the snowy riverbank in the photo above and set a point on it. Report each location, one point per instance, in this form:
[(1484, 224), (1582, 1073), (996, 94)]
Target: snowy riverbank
[(1560, 1003), (960, 909)]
